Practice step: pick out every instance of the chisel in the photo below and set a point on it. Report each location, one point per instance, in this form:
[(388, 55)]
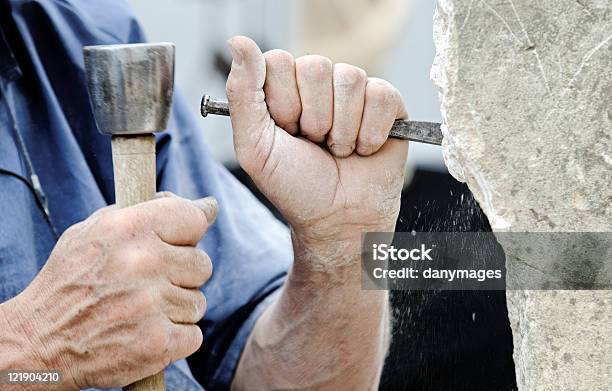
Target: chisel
[(422, 132)]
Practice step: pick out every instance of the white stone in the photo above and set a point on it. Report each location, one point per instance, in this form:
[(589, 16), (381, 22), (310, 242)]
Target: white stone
[(526, 97)]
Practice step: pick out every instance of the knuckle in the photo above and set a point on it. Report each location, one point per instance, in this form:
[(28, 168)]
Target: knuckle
[(380, 93), (146, 302), (200, 305), (195, 339), (314, 68), (73, 230), (379, 83), (204, 266), (349, 76), (395, 97), (135, 261), (184, 342), (100, 212), (279, 60), (198, 338)]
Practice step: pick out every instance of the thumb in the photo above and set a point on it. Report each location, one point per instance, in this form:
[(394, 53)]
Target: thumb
[(249, 112)]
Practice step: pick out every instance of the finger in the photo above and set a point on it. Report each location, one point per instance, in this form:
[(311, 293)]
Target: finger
[(186, 267), (177, 220), (314, 80), (185, 339), (97, 215), (383, 105), (208, 206), (183, 305), (349, 97), (249, 113), (282, 96)]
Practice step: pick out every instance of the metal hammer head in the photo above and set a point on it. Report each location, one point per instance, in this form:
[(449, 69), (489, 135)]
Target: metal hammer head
[(130, 86)]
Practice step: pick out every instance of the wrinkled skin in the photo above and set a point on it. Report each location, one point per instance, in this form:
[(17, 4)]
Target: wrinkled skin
[(113, 281), (314, 137), (355, 183)]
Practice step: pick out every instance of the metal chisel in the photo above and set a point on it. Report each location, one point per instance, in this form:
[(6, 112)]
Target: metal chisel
[(422, 132)]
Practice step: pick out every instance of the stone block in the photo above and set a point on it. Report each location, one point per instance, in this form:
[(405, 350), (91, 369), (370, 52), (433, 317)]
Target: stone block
[(526, 98)]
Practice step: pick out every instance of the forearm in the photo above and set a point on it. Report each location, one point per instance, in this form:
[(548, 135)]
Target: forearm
[(324, 332), (16, 350)]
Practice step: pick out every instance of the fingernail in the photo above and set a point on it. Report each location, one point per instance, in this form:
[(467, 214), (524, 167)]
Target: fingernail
[(236, 54), (342, 150), (209, 206)]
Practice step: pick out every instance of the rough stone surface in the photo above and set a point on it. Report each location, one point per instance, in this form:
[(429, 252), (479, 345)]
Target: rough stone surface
[(526, 97)]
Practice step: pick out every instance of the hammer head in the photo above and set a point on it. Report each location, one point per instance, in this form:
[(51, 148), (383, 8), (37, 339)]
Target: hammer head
[(130, 86)]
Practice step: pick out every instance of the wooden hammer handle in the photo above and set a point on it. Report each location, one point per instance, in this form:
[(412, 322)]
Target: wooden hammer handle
[(135, 182), (151, 383)]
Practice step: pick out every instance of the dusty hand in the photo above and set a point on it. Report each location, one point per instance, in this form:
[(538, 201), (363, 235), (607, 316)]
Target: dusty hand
[(284, 111), (118, 298)]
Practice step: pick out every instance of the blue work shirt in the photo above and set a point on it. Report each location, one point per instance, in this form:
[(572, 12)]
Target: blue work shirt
[(48, 135)]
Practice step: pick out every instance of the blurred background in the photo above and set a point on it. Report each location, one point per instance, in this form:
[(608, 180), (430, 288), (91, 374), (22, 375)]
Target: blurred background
[(365, 33), (453, 340)]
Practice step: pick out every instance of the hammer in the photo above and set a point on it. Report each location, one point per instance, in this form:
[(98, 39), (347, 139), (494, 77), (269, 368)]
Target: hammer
[(130, 91)]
